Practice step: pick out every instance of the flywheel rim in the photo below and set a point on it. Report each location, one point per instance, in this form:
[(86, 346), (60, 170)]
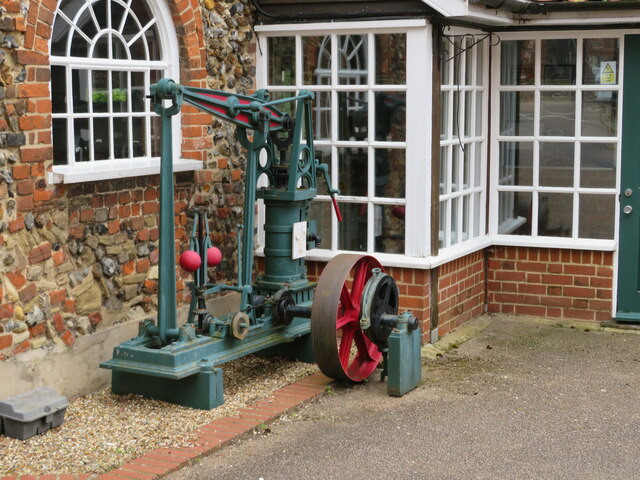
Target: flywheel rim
[(336, 308)]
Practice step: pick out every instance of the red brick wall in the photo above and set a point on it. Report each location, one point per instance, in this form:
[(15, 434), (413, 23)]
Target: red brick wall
[(556, 283), (461, 291)]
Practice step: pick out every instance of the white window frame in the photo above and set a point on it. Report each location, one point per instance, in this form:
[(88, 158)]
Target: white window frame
[(543, 241), (73, 172), (455, 249), (418, 122)]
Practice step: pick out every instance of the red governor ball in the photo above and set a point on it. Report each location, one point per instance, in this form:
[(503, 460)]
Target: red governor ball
[(190, 260), (214, 256)]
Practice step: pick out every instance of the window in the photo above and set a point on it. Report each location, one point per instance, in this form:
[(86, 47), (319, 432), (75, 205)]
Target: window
[(104, 56), (362, 110), (463, 139), (557, 139)]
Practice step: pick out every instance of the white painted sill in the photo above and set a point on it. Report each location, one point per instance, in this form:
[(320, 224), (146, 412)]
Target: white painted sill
[(109, 170)]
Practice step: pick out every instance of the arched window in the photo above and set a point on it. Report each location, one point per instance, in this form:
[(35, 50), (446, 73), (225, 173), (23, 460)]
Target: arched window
[(104, 56)]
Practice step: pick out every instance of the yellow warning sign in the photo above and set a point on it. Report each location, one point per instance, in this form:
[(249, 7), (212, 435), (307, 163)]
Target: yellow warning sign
[(607, 73)]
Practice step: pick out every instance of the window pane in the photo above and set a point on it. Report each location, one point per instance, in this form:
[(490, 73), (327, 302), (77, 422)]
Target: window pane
[(445, 66), (323, 154), (389, 173), (456, 114), (444, 115), (517, 62), (59, 132), (79, 46), (138, 49), (444, 162), (391, 59), (100, 91), (555, 216), (443, 223), (468, 62), (316, 60), (453, 232), (480, 114), (58, 89), (119, 85), (389, 228), (282, 61), (599, 114), (477, 159), (138, 100), (100, 11), (559, 62), (390, 117), (320, 212), (516, 113), (352, 168), (477, 212), (352, 66), (516, 163), (101, 47), (598, 165), (558, 114), (466, 166), (479, 64), (101, 135), (455, 168), (465, 217), (352, 231), (82, 141), (121, 137), (597, 215), (352, 116), (456, 57), (156, 128), (139, 128), (321, 107), (468, 103), (556, 164), (600, 61), (61, 30), (515, 213), (80, 86)]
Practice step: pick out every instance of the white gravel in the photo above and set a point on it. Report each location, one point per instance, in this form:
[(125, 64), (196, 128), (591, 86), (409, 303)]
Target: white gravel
[(102, 431)]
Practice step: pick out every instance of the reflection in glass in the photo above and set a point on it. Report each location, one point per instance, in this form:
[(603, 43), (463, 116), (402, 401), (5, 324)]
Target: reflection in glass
[(556, 164), (478, 132), (555, 214), (352, 171), (514, 213), (445, 67), (118, 49), (453, 232), (101, 135), (321, 107), (477, 161), (138, 100), (456, 114), (516, 113), (390, 173), (479, 64), (156, 127), (352, 62), (598, 165), (597, 215), (79, 46), (468, 56), (455, 168), (59, 133), (444, 162), (517, 62), (475, 218), (139, 136), (121, 137), (58, 89), (600, 61), (82, 146), (119, 86), (558, 114), (320, 212), (61, 30), (389, 228), (468, 102), (80, 86), (391, 58), (316, 60), (101, 47), (443, 223), (282, 61), (390, 118), (599, 114), (465, 217), (516, 163), (100, 94), (352, 231), (352, 116), (559, 62)]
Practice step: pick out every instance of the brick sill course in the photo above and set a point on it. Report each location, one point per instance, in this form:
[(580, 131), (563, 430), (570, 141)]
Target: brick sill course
[(211, 437)]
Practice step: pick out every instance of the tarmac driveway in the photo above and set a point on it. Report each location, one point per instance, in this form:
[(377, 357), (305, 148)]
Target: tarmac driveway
[(524, 399)]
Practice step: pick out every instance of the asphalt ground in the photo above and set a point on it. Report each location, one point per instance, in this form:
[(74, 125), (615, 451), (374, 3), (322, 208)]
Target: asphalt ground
[(523, 399)]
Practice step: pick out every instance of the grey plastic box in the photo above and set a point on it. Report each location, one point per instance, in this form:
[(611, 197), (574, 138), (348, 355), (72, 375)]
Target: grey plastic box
[(33, 412)]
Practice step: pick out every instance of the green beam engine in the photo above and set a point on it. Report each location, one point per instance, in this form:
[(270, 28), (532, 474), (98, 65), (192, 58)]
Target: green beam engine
[(356, 328)]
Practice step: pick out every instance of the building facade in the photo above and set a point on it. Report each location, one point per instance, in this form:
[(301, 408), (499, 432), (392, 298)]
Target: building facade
[(483, 154)]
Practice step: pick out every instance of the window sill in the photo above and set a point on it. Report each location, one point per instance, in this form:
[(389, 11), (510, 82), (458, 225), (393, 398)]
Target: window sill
[(109, 170)]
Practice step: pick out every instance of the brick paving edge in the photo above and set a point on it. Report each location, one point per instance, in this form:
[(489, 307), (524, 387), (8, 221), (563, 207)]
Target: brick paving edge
[(212, 436)]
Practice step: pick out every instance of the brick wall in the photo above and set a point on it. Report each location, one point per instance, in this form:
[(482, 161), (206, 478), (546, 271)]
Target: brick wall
[(77, 258), (461, 291), (551, 282)]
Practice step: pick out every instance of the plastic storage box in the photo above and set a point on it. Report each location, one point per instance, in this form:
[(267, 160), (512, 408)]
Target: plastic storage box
[(32, 412)]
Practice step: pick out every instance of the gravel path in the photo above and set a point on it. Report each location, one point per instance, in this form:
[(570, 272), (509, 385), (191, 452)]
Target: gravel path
[(102, 431)]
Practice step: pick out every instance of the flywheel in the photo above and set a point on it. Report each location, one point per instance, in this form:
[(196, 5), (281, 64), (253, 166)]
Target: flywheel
[(342, 349)]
